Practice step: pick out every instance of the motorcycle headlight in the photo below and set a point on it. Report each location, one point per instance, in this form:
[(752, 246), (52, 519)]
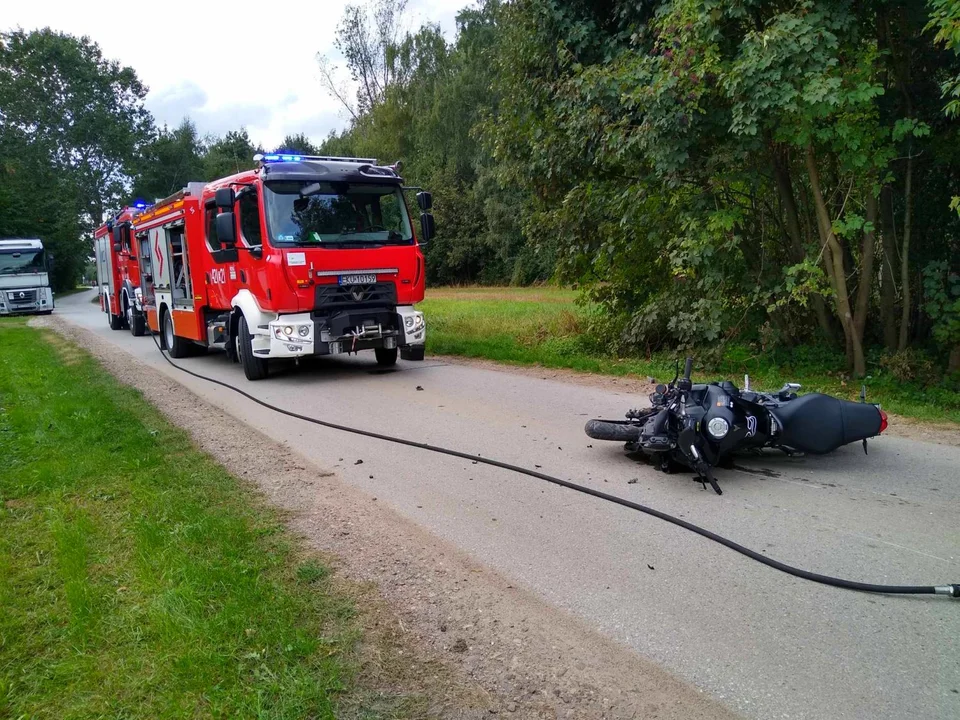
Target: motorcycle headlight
[(718, 428)]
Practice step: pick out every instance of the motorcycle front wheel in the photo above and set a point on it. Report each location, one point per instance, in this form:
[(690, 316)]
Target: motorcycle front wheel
[(615, 430)]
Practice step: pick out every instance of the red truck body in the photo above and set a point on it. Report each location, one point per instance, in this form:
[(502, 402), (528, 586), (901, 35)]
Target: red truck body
[(118, 272), (300, 256)]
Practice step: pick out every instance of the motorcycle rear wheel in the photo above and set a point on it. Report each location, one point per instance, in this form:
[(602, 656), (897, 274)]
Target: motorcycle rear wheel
[(614, 430)]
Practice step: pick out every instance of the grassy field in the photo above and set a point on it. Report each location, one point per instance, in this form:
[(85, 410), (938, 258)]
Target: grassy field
[(545, 326), (138, 578)]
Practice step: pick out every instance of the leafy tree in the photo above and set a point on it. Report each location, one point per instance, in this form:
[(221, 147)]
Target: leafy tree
[(228, 155), (366, 37), (171, 160), (298, 143), (712, 167), (71, 125), (431, 117)]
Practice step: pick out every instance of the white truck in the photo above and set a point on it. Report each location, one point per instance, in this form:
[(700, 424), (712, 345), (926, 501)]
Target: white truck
[(24, 278)]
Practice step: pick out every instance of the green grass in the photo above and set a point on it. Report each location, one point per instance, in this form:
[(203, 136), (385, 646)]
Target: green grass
[(137, 577), (545, 326)]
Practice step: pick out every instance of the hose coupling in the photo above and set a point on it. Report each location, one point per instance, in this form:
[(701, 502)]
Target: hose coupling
[(949, 590)]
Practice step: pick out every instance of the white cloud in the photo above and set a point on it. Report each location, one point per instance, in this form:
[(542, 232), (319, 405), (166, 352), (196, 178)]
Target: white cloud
[(224, 65)]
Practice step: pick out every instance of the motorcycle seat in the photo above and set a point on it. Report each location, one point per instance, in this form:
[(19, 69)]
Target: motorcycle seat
[(819, 424)]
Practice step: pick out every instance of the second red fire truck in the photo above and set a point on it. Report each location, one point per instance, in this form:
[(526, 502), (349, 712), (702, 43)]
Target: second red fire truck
[(301, 256), (118, 271)]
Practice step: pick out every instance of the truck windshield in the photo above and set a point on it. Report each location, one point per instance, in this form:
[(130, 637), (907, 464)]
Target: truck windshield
[(13, 262), (340, 213)]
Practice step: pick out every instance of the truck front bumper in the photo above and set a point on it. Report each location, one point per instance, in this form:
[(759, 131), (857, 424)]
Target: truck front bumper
[(301, 334), (25, 300)]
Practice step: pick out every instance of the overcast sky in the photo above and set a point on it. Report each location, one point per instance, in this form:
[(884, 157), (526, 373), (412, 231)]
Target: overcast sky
[(224, 64)]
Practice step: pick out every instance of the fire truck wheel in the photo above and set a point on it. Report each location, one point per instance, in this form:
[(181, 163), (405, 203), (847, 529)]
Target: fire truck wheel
[(176, 346), (386, 357), (135, 321), (254, 368), (116, 321)]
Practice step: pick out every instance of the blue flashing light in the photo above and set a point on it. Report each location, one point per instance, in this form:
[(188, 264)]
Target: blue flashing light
[(140, 204), (282, 158)]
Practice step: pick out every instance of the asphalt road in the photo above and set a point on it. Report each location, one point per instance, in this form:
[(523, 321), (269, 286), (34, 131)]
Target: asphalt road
[(766, 644)]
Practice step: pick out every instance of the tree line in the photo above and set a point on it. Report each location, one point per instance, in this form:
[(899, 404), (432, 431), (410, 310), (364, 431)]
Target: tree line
[(781, 174), (707, 171)]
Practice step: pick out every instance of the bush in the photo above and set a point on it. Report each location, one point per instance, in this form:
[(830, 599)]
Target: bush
[(910, 365)]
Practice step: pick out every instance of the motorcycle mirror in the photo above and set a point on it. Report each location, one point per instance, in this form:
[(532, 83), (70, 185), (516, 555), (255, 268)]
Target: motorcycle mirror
[(661, 388)]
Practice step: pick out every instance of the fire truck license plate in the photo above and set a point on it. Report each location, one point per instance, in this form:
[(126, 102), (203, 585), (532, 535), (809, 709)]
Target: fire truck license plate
[(357, 279)]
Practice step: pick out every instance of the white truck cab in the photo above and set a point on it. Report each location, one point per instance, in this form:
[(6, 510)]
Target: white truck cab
[(24, 277)]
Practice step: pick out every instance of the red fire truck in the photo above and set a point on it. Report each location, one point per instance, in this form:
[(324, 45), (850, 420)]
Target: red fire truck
[(118, 271), (300, 256)]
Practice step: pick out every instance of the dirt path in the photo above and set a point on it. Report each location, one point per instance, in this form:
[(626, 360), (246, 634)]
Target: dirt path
[(480, 646)]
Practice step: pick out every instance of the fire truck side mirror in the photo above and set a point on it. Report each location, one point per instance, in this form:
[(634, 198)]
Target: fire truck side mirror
[(117, 247), (224, 198), (226, 231), (428, 228), (117, 237), (425, 200)]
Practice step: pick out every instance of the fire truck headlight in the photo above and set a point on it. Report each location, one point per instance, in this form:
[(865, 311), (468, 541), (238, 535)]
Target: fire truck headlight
[(303, 330), (408, 321), (288, 330)]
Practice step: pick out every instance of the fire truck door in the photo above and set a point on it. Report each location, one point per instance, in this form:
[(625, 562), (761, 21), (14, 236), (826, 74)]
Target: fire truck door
[(223, 280)]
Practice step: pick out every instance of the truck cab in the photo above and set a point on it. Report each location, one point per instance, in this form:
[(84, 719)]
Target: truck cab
[(118, 271), (25, 277), (301, 256)]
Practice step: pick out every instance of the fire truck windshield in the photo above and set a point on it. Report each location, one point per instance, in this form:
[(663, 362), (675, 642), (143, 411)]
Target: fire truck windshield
[(337, 214), (13, 262)]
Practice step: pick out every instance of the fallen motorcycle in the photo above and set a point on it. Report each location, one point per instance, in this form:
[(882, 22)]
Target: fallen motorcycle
[(700, 426)]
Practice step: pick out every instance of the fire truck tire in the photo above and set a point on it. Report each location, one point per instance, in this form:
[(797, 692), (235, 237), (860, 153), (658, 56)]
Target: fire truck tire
[(116, 321), (136, 322), (386, 357), (254, 368), (176, 346)]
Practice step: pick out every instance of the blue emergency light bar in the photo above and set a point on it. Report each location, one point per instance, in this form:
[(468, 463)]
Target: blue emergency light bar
[(283, 157)]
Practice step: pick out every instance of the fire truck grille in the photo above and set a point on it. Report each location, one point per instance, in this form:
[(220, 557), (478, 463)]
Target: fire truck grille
[(22, 297), (347, 297)]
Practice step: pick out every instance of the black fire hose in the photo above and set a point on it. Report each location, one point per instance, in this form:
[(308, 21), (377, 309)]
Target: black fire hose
[(949, 590)]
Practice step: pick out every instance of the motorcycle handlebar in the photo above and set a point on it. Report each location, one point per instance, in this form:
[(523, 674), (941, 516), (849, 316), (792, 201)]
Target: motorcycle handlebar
[(688, 368)]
